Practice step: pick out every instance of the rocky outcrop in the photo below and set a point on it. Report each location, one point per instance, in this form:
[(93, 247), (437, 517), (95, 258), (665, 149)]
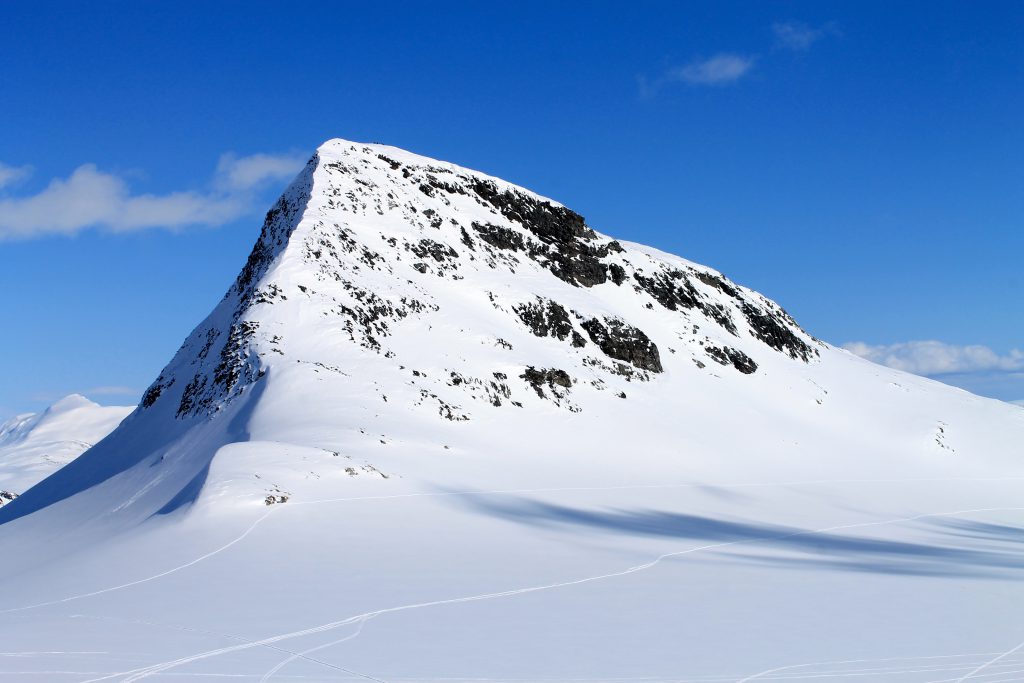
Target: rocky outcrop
[(621, 341), (552, 378), (547, 318), (729, 356)]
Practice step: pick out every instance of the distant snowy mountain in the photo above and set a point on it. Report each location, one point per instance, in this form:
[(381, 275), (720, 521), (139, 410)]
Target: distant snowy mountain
[(439, 427), (35, 445)]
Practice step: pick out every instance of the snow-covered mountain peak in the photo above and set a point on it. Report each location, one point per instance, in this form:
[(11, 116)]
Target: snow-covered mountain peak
[(401, 317), (18, 428), (34, 445), (370, 238)]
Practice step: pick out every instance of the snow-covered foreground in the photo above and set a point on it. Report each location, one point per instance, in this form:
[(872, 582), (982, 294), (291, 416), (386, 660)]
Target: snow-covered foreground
[(440, 430), (703, 582)]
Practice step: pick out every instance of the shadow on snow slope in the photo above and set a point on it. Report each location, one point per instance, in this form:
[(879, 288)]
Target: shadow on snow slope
[(994, 550), (151, 464)]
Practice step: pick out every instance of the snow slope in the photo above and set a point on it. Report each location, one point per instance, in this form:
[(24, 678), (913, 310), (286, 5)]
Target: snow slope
[(439, 428), (35, 445)]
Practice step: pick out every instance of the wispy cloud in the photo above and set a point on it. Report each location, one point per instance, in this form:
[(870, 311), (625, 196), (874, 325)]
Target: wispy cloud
[(12, 174), (795, 35), (90, 197), (938, 358), (240, 174), (722, 69), (718, 70)]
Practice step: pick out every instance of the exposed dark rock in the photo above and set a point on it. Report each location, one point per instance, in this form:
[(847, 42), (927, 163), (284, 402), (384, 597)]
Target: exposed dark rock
[(435, 250), (153, 393), (190, 396), (717, 282), (578, 267), (673, 290), (565, 238), (726, 356), (547, 318), (624, 342), (551, 378), (550, 223), (773, 330), (432, 182), (395, 165), (234, 356), (618, 273), (502, 238)]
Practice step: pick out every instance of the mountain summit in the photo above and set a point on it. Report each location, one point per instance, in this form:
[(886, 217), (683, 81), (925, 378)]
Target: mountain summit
[(441, 428), (372, 245), (431, 295)]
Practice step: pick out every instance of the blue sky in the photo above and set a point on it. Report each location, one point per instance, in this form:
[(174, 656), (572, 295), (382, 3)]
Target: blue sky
[(859, 162)]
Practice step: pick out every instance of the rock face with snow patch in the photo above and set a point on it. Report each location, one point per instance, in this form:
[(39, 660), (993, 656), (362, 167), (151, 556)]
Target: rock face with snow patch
[(370, 239)]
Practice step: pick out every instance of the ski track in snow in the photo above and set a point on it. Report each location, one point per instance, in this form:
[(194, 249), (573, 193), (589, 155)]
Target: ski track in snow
[(145, 580), (990, 662), (145, 672), (767, 673), (283, 663), (229, 636)]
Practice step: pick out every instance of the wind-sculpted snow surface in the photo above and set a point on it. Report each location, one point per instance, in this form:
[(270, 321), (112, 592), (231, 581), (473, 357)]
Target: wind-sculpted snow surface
[(441, 428)]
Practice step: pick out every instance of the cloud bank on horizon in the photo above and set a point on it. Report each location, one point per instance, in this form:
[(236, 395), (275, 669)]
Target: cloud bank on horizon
[(92, 198), (939, 358)]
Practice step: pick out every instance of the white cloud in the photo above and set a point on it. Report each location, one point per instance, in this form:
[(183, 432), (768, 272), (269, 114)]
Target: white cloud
[(718, 70), (938, 358), (12, 174), (247, 173), (794, 35), (721, 69), (90, 197)]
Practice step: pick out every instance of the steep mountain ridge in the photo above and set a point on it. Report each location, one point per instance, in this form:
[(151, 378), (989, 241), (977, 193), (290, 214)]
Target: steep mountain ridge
[(355, 209)]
